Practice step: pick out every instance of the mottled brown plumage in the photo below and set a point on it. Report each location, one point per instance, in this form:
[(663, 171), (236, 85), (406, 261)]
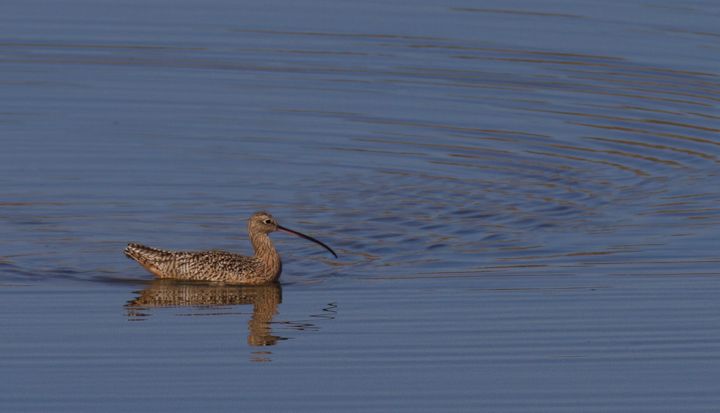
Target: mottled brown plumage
[(264, 267)]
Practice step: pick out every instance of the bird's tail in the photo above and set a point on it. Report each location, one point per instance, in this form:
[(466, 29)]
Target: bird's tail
[(150, 258)]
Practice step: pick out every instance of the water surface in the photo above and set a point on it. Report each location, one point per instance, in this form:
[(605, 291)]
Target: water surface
[(523, 196)]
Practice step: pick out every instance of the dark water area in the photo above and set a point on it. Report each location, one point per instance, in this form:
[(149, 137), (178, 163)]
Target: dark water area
[(524, 198)]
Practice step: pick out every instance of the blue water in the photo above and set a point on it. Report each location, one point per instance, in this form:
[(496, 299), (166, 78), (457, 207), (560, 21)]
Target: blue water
[(523, 197)]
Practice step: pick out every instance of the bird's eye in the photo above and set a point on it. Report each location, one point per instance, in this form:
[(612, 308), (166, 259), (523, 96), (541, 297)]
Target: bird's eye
[(267, 221)]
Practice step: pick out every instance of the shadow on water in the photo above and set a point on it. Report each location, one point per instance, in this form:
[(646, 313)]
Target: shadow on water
[(202, 296), (203, 299)]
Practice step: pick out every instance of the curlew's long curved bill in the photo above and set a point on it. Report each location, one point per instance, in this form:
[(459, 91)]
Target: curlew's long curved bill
[(289, 231)]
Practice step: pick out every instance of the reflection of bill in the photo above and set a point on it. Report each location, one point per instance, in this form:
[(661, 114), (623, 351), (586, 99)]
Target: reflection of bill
[(264, 298)]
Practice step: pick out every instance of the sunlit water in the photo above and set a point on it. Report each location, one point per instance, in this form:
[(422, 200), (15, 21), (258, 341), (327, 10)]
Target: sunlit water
[(524, 198)]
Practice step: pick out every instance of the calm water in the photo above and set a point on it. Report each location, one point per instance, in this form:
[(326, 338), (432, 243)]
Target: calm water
[(524, 197)]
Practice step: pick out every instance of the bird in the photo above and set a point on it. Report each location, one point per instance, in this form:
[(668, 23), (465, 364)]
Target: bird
[(220, 266)]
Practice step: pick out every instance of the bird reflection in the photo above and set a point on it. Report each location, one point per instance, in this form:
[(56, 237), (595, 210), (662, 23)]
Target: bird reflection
[(264, 298)]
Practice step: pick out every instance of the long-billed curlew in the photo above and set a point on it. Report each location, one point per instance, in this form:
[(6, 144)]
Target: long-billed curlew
[(264, 267)]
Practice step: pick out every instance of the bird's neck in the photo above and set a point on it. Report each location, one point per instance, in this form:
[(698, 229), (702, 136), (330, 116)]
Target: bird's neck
[(265, 252)]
